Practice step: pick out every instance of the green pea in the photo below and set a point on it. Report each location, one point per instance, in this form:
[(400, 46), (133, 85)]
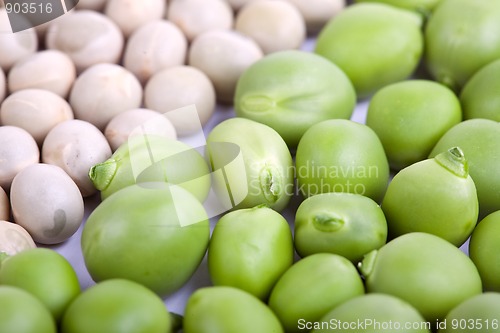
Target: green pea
[(373, 313), (116, 306), (341, 156), (410, 117), (478, 313), (228, 310), (484, 247), (425, 7), (45, 274), (478, 139), (23, 313), (459, 39), (436, 195), (150, 233), (479, 97), (350, 225), (266, 174), (312, 287), (250, 249), (374, 44), (424, 270), (292, 90), (149, 158)]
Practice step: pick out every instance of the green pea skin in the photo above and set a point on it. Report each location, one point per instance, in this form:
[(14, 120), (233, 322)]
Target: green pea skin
[(424, 7), (459, 40), (478, 313), (312, 287), (479, 97), (267, 176), (149, 233), (410, 117), (424, 270), (116, 306), (375, 44), (149, 158), (478, 139), (228, 310), (45, 274), (23, 313), (292, 90), (437, 196), (484, 247), (346, 224), (341, 156), (374, 313), (250, 249)]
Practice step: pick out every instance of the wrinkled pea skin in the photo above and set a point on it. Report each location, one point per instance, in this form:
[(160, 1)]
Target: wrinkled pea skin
[(374, 44), (267, 176), (228, 310), (373, 312), (292, 90), (312, 287), (347, 224), (250, 249), (478, 139)]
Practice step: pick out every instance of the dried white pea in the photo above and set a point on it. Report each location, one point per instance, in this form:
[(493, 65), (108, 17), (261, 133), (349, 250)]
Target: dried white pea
[(47, 203), (138, 121), (4, 205), (129, 15), (317, 13), (87, 37), (35, 110), (154, 46), (194, 17), (13, 239), (275, 25), (18, 150), (103, 91), (186, 86), (51, 70), (76, 146), (223, 55)]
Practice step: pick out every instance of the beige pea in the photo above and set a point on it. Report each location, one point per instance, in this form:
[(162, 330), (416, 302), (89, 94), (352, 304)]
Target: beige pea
[(75, 146), (87, 37), (137, 121), (96, 5), (238, 4), (275, 25), (103, 91), (35, 110), (14, 46), (47, 203), (129, 15), (13, 239), (194, 17), (178, 87), (4, 205), (155, 46), (3, 85), (18, 150), (317, 13), (223, 55), (51, 70)]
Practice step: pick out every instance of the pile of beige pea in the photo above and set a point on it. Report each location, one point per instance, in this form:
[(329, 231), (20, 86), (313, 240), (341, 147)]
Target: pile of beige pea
[(73, 89)]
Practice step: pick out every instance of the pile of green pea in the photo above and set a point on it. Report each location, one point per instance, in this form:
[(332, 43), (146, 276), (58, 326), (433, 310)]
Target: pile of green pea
[(303, 219)]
